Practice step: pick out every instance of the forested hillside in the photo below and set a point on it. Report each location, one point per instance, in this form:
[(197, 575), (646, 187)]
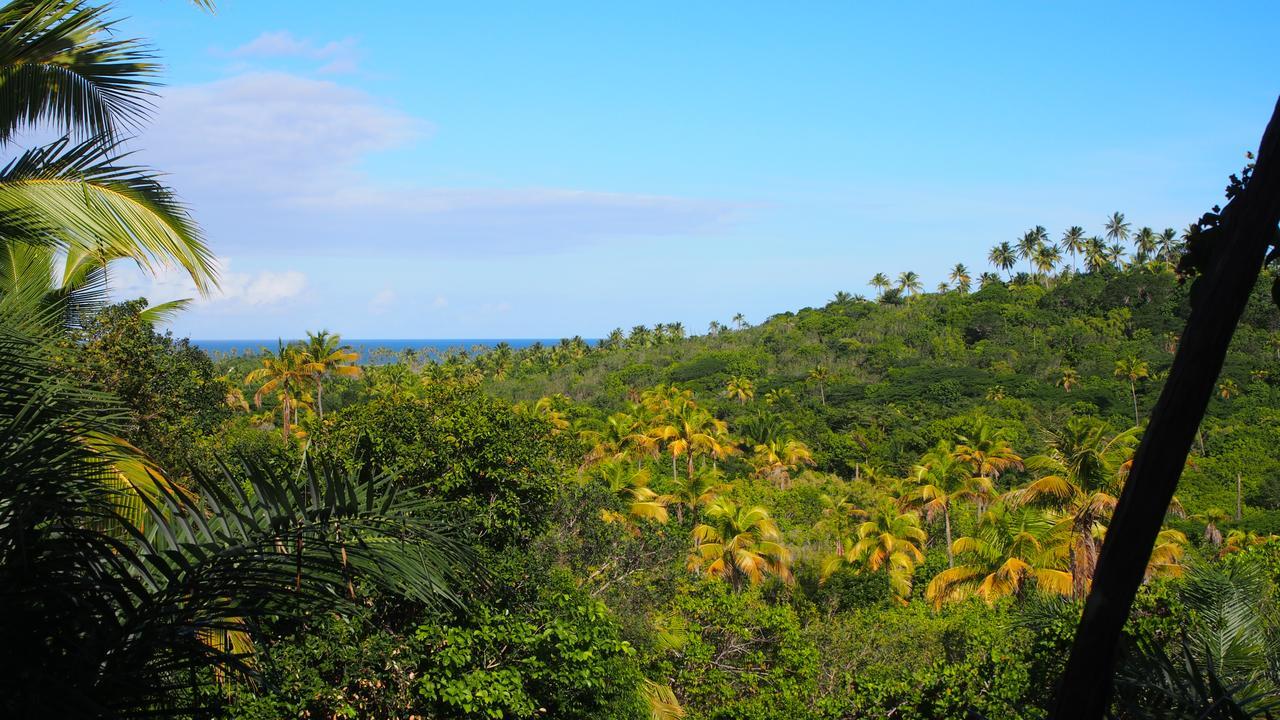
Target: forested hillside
[(873, 507)]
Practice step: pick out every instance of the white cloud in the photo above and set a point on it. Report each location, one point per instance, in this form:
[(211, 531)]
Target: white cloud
[(274, 160), (339, 56), (382, 301), (236, 292)]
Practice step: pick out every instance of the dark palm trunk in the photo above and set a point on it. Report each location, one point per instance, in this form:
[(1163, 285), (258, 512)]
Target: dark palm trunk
[(1248, 226)]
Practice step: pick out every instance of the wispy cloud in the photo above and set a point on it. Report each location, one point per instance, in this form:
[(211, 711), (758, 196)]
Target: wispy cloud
[(337, 56), (274, 160), (236, 292)]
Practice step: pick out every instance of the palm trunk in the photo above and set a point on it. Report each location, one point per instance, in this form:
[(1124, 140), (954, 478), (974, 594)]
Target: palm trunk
[(946, 521), (1236, 256), (284, 415), (1133, 390), (320, 398)]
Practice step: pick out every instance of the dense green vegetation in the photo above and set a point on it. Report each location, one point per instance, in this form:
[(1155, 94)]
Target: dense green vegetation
[(876, 508)]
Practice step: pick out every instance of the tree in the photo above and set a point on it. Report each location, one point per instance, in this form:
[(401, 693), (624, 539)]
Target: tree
[(909, 283), (697, 491), (943, 479), (819, 376), (1046, 259), (330, 357), (1228, 389), (1068, 378), (1029, 244), (840, 521), (1117, 228), (880, 282), (285, 374), (1080, 475), (740, 388), (740, 321), (891, 541), (124, 594), (688, 430), (1073, 241), (630, 485), (1003, 257), (1012, 548), (985, 448), (739, 543), (1132, 369), (1213, 518), (960, 276), (841, 298), (64, 70)]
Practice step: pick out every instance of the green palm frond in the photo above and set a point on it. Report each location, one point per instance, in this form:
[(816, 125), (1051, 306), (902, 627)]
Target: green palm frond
[(79, 198), (61, 66)]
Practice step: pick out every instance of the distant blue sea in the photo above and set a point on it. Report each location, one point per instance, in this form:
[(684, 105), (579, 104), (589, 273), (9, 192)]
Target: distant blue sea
[(366, 346)]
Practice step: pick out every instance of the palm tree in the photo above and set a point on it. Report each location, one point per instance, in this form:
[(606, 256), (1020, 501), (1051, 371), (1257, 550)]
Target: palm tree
[(1028, 245), (738, 543), (1084, 470), (285, 374), (631, 486), (1046, 259), (1132, 369), (1115, 255), (740, 321), (819, 376), (1095, 254), (1073, 242), (986, 449), (688, 431), (1145, 242), (65, 70), (741, 389), (909, 282), (891, 541), (1068, 379), (775, 459), (695, 492), (1003, 257), (1228, 389), (1117, 229), (880, 282), (960, 276), (942, 479), (331, 357), (1011, 548), (841, 298), (124, 598), (840, 520)]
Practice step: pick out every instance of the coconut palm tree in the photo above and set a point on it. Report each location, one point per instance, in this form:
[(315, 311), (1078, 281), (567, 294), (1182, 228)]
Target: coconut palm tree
[(777, 458), (943, 479), (66, 71), (1028, 245), (1012, 549), (986, 449), (1046, 259), (689, 431), (909, 283), (1080, 475), (740, 321), (1095, 254), (1073, 242), (819, 376), (1115, 255), (841, 297), (1132, 369), (631, 486), (1213, 519), (1145, 242), (740, 388), (1117, 228), (1003, 257), (880, 282), (697, 491), (331, 358), (286, 374), (1068, 378), (1228, 389), (960, 276), (738, 544), (840, 521), (891, 541)]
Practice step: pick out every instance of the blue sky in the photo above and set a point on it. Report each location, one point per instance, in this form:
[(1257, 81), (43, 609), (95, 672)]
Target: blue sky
[(542, 170)]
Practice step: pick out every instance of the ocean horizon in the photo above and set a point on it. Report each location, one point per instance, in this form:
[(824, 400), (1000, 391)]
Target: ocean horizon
[(365, 346)]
